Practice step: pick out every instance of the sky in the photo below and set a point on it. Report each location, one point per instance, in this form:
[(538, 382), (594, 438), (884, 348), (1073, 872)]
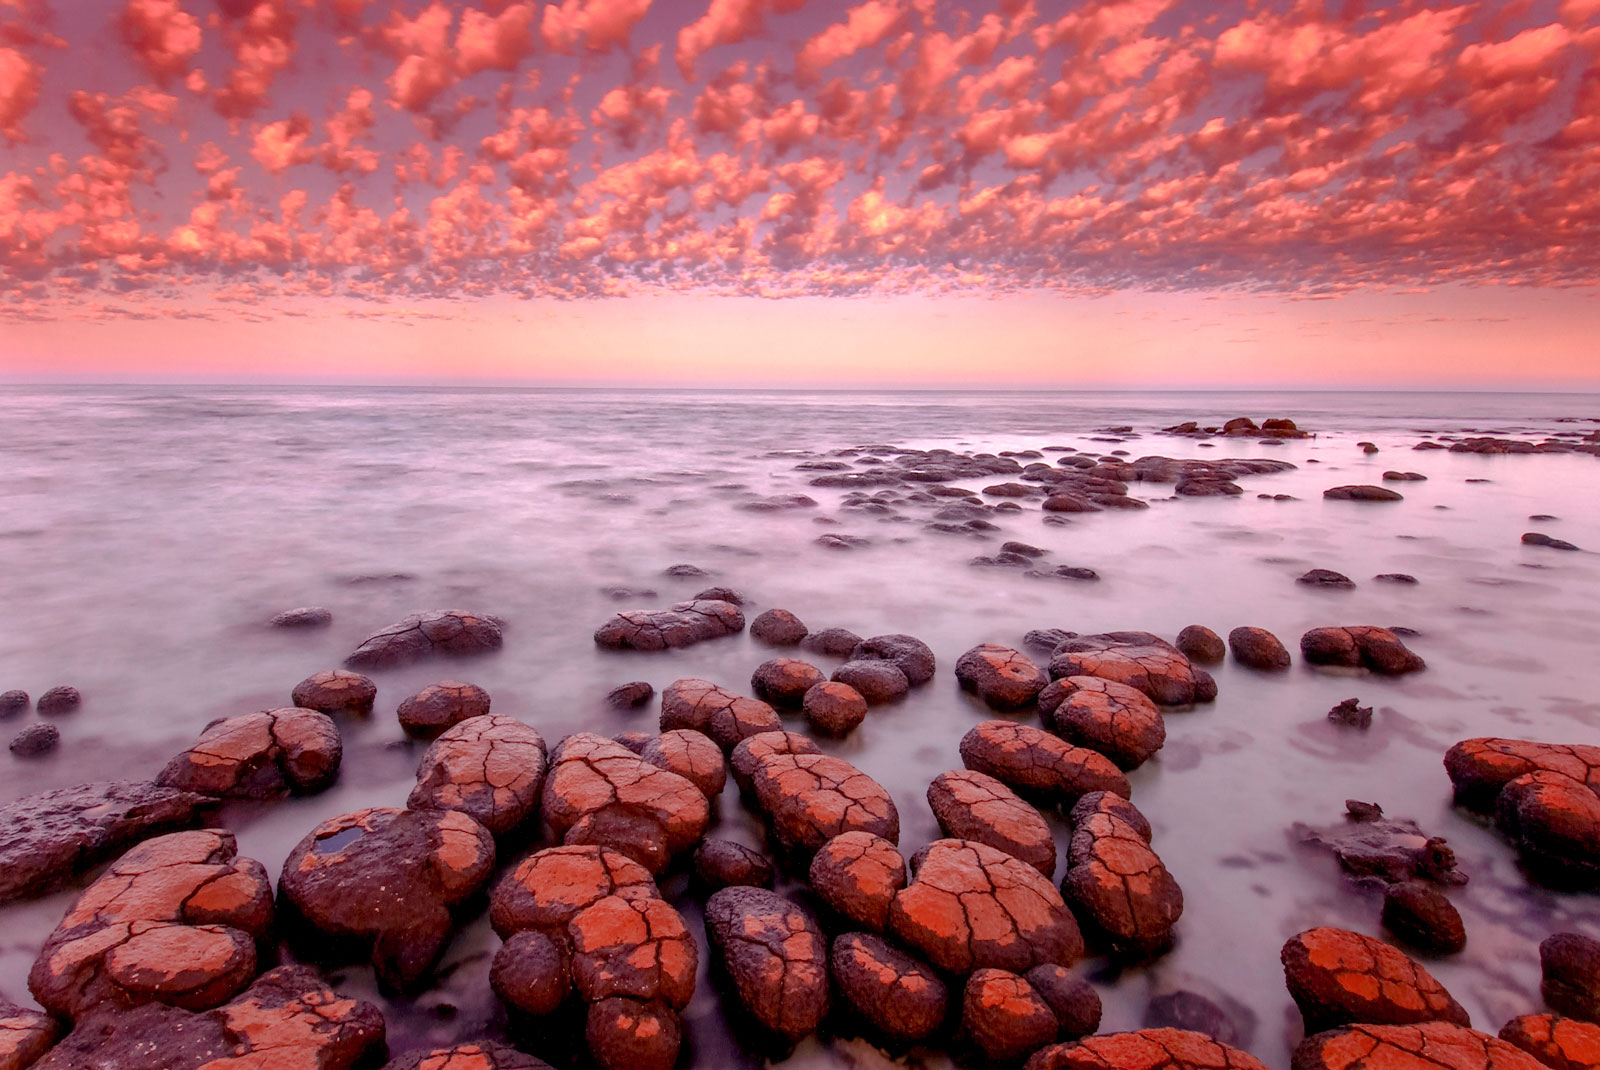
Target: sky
[(768, 192)]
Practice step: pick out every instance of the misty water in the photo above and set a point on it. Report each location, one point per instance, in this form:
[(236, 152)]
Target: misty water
[(148, 533)]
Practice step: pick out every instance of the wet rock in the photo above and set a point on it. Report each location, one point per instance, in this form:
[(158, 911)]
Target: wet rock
[(629, 1034), (1532, 538), (1357, 646), (811, 798), (35, 740), (833, 709), (970, 906), (1571, 965), (630, 695), (1037, 765), (1326, 577), (857, 874), (1557, 1042), (783, 682), (1430, 1044), (751, 752), (1199, 643), (1240, 425), (834, 541), (1116, 881), (260, 756), (335, 691), (599, 792), (1422, 916), (175, 920), (48, 839), (1479, 768), (722, 864), (900, 998), (475, 1055), (684, 624), (532, 972), (974, 806), (1004, 678), (720, 594), (1337, 977), (778, 627), (1045, 640), (1075, 1002), (635, 741), (834, 642), (57, 701), (25, 1035), (910, 655), (1004, 1018), (12, 703), (875, 681), (684, 572), (450, 632), (1363, 494), (1191, 1011), (693, 756), (1105, 716), (1069, 503), (727, 718), (1555, 822), (1257, 648), (491, 768), (303, 617), (380, 883), (1357, 810), (775, 956), (1395, 577), (1155, 1049), (441, 706), (1404, 477), (1138, 659), (288, 1018), (1392, 850)]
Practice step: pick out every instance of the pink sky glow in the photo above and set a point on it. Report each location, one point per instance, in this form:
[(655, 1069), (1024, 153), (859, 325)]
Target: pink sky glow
[(767, 192)]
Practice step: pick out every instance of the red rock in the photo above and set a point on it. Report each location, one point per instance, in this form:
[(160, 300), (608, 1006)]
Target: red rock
[(600, 792), (754, 750), (784, 681), (693, 756), (491, 768), (260, 756), (975, 806), (1146, 1049), (857, 874), (1570, 963), (1037, 765), (549, 888), (25, 1035), (778, 627), (1479, 768), (532, 972), (440, 706), (1337, 977), (834, 709), (684, 624), (450, 632), (1004, 1017), (626, 1034), (775, 956), (877, 682), (1409, 1047), (476, 1055), (1143, 661), (1358, 646), (727, 718), (1560, 1043), (1199, 643), (900, 998), (1114, 878), (1004, 678), (1105, 716), (1555, 821), (1259, 649), (811, 798)]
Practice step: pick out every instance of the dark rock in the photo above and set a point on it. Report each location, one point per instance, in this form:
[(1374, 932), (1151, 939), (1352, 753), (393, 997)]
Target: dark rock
[(1532, 538), (1037, 765), (599, 792), (834, 541), (1422, 916), (491, 768), (783, 682), (381, 883), (1103, 715), (1426, 1044), (1350, 712), (778, 627), (1326, 577), (834, 709), (48, 839), (1199, 643), (1116, 881), (811, 798), (1395, 577), (25, 1035), (1021, 548), (1557, 1042), (58, 700), (629, 1034), (910, 655), (857, 874), (35, 740), (1240, 425), (1069, 503), (630, 695), (975, 806), (720, 594), (1404, 477), (1138, 659), (475, 1055), (900, 998), (532, 972), (1571, 965), (1045, 640), (12, 703), (685, 624), (1363, 494), (1338, 977), (722, 864), (260, 756), (775, 956), (335, 691), (875, 681), (441, 706), (304, 617), (1185, 1009), (684, 572), (1479, 768), (1257, 648), (727, 718), (692, 755), (1004, 1017), (635, 741), (1004, 678), (1156, 1049), (834, 642), (444, 632), (1368, 845), (1075, 1002), (175, 920), (1356, 646)]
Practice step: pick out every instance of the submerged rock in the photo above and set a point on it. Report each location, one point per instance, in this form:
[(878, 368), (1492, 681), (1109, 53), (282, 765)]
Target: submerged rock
[(1571, 966), (1534, 538), (783, 682), (12, 703), (1350, 712), (630, 695), (908, 654), (57, 701), (875, 681), (834, 642), (1363, 494), (35, 741), (684, 624), (260, 756), (1199, 643), (1257, 648), (1338, 977), (1326, 577), (778, 627), (1422, 916), (303, 617), (440, 632)]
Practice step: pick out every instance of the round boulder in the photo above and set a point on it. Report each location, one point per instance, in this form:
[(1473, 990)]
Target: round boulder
[(1038, 765), (910, 655), (336, 691), (875, 681), (724, 716), (857, 875), (59, 700), (898, 997), (693, 756), (260, 756), (833, 709), (1004, 678), (12, 703), (1338, 977), (1105, 716), (975, 806), (441, 706), (1257, 648), (775, 956), (1004, 1017), (1571, 966), (722, 864), (1424, 917), (1199, 643), (491, 768), (784, 681), (833, 642), (778, 627)]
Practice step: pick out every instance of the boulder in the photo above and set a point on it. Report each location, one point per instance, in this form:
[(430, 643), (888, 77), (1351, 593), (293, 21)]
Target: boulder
[(833, 709), (1557, 1042), (1146, 1049), (474, 1055), (441, 706), (1004, 1017), (857, 875), (1429, 1044), (1555, 822), (1105, 716), (811, 798), (1069, 503), (1140, 660), (491, 768), (1424, 917), (381, 883), (722, 864), (1571, 967), (1352, 714), (833, 642), (260, 756), (57, 701), (1365, 493), (25, 1035), (1038, 765), (1532, 538), (727, 718), (13, 703), (975, 806), (1479, 768), (1199, 643), (175, 920), (693, 756), (1004, 678), (35, 741), (600, 792), (875, 681), (1116, 881), (303, 617), (783, 682), (898, 997), (629, 1034), (451, 632), (1075, 1002), (1338, 977), (775, 957), (1326, 577), (778, 627), (335, 691), (684, 624), (1358, 646), (751, 752), (1257, 648), (532, 972), (629, 695), (908, 654)]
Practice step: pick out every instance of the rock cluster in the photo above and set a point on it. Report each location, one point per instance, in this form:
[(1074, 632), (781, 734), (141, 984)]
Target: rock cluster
[(1545, 796), (1143, 661), (1103, 715), (260, 756), (1002, 677), (727, 718), (491, 768), (775, 958), (1116, 881), (1360, 646), (600, 792)]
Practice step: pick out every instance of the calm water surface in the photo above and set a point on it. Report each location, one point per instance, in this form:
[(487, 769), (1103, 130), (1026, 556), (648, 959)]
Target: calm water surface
[(147, 533)]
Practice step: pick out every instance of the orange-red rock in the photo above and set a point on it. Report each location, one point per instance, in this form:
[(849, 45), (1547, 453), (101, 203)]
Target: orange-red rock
[(260, 756), (450, 632), (975, 806), (811, 798), (1116, 881), (1358, 646), (1146, 1049), (857, 874), (491, 768), (1479, 768), (1004, 1017), (335, 691), (784, 681), (775, 956), (1560, 1043), (1555, 821), (1003, 677), (25, 1035), (1427, 1046), (440, 706), (751, 752), (1117, 720), (1141, 660), (1337, 977), (1038, 765), (833, 708), (727, 718), (900, 998), (693, 756)]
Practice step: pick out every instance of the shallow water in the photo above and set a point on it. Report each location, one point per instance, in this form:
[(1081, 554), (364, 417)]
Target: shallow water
[(147, 533)]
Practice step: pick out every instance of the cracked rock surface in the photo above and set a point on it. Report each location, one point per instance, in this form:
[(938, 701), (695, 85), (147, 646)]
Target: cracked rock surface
[(1338, 977), (1038, 765), (476, 1055), (1148, 1049), (260, 756), (775, 956), (1141, 660), (975, 806), (600, 792), (1116, 881), (684, 624), (491, 768), (440, 706), (1561, 1043), (897, 996), (1117, 720), (811, 798), (857, 874), (727, 718), (25, 1035), (451, 632), (693, 756), (335, 691), (1479, 768), (1001, 676), (1409, 1047)]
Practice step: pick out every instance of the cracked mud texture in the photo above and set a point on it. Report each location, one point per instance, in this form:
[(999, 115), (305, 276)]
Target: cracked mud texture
[(1038, 765), (440, 706), (783, 682), (48, 839), (693, 756), (288, 1018), (970, 906), (727, 718), (1004, 678), (451, 632), (600, 792), (175, 920), (1116, 880), (751, 752), (975, 806), (857, 875), (1117, 720), (1360, 646), (898, 997), (1337, 977), (1561, 1043), (775, 956), (1479, 768), (334, 691), (380, 884), (264, 755), (684, 624), (625, 1034), (1141, 660), (491, 768), (1005, 1017), (1146, 1049), (1428, 1046), (811, 798)]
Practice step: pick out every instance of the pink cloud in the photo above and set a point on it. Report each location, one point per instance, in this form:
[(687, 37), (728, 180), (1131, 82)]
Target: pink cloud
[(600, 25), (864, 26), (19, 91), (725, 22), (162, 35)]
